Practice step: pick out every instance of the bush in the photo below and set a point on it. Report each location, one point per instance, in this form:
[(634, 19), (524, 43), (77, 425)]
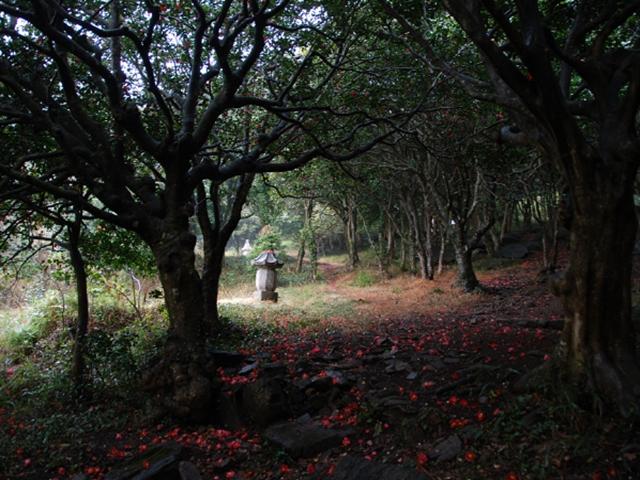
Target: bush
[(364, 279), (269, 239)]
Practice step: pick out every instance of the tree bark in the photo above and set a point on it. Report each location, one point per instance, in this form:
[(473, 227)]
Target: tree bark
[(598, 344), (351, 234), (180, 377), (467, 279), (301, 252), (82, 323)]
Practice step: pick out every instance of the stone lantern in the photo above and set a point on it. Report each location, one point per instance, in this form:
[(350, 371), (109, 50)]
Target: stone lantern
[(266, 277)]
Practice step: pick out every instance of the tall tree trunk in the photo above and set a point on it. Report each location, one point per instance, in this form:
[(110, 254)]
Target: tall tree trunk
[(215, 236), (443, 246), (307, 236), (211, 273), (467, 279), (351, 234), (507, 218), (301, 252), (82, 323), (599, 339), (179, 377), (428, 244)]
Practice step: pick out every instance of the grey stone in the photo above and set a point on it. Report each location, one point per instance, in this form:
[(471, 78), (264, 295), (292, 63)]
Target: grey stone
[(446, 450), (397, 366), (435, 362), (265, 400), (154, 463), (303, 438), (412, 376), (188, 471), (265, 295), (248, 368), (513, 251), (353, 468)]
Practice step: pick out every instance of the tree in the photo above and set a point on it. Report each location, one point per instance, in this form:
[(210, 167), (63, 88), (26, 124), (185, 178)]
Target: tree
[(41, 222), (169, 115), (569, 75)]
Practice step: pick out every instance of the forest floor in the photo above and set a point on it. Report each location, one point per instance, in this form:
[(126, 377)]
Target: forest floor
[(422, 376)]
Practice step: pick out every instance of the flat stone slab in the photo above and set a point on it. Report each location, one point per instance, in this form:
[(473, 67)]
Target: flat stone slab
[(353, 468), (303, 437), (149, 464), (188, 471), (446, 450)]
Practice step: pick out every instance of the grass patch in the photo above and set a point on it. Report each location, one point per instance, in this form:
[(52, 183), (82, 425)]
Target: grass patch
[(364, 279)]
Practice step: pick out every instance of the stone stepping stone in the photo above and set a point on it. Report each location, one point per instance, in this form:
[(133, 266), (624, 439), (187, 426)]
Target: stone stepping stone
[(353, 468), (446, 450), (188, 471), (304, 437), (154, 461)]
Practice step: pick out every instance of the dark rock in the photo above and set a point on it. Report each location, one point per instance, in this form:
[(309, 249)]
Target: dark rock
[(80, 476), (435, 362), (188, 471), (226, 359), (412, 376), (274, 369), (303, 437), (353, 468), (446, 450), (317, 383), (248, 368), (265, 400), (513, 251), (157, 463), (397, 366), (348, 365), (227, 412)]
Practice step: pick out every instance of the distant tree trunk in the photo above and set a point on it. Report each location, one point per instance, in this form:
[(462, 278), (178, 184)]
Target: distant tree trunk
[(467, 279), (390, 250), (306, 237), (550, 242), (507, 217), (418, 241), (301, 253), (428, 244), (82, 323), (215, 236), (350, 220), (443, 246)]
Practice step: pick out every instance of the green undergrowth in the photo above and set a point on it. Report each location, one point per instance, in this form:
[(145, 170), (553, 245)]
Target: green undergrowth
[(364, 278), (545, 433), (300, 307)]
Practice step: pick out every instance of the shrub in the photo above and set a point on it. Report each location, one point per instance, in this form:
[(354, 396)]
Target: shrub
[(364, 279)]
